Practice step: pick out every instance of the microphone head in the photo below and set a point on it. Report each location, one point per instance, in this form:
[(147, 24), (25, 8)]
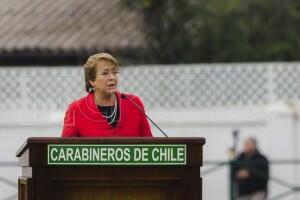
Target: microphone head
[(123, 96)]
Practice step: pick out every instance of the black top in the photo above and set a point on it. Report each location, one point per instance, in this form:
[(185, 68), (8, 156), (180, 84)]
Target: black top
[(258, 166), (107, 111)]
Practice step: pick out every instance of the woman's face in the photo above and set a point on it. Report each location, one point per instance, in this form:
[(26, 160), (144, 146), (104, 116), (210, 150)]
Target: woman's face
[(106, 79)]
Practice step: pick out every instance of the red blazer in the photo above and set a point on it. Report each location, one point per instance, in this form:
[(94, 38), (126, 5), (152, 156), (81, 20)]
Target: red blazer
[(83, 119)]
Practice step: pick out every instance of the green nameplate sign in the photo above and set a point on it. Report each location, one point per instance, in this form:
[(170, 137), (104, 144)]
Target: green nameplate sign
[(116, 154)]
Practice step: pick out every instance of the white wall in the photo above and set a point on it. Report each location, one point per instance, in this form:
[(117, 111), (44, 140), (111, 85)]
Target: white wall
[(208, 100)]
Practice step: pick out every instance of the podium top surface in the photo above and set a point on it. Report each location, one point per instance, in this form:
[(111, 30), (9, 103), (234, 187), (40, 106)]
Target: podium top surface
[(115, 140)]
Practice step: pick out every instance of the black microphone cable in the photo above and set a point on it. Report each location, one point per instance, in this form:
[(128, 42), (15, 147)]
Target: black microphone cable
[(123, 96)]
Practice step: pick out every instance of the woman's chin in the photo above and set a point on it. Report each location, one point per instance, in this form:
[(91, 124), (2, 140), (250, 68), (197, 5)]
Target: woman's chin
[(111, 91)]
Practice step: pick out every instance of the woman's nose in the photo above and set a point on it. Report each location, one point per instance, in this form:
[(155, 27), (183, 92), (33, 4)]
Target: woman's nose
[(112, 75)]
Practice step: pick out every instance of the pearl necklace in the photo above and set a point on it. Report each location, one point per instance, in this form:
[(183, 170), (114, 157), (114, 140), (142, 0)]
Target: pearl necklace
[(114, 113)]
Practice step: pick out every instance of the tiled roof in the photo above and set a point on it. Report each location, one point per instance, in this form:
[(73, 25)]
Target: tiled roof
[(68, 25)]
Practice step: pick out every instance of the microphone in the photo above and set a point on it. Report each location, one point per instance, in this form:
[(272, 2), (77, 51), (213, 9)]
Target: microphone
[(123, 96)]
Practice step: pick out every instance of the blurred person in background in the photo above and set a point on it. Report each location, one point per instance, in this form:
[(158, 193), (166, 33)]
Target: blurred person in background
[(104, 111), (251, 172)]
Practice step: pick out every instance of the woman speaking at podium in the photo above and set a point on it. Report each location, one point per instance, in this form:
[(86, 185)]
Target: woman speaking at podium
[(104, 111)]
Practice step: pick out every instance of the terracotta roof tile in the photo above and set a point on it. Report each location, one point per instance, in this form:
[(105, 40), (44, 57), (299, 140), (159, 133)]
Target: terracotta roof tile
[(68, 25)]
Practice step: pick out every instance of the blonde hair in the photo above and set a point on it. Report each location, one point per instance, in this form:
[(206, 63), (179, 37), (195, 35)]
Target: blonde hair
[(90, 67)]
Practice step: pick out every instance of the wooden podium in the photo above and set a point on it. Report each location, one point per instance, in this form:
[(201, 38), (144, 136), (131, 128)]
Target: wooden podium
[(111, 169)]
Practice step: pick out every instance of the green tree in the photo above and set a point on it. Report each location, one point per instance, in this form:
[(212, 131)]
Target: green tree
[(220, 30)]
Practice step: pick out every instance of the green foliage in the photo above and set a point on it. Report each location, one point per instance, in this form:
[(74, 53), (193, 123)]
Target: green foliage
[(220, 30)]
